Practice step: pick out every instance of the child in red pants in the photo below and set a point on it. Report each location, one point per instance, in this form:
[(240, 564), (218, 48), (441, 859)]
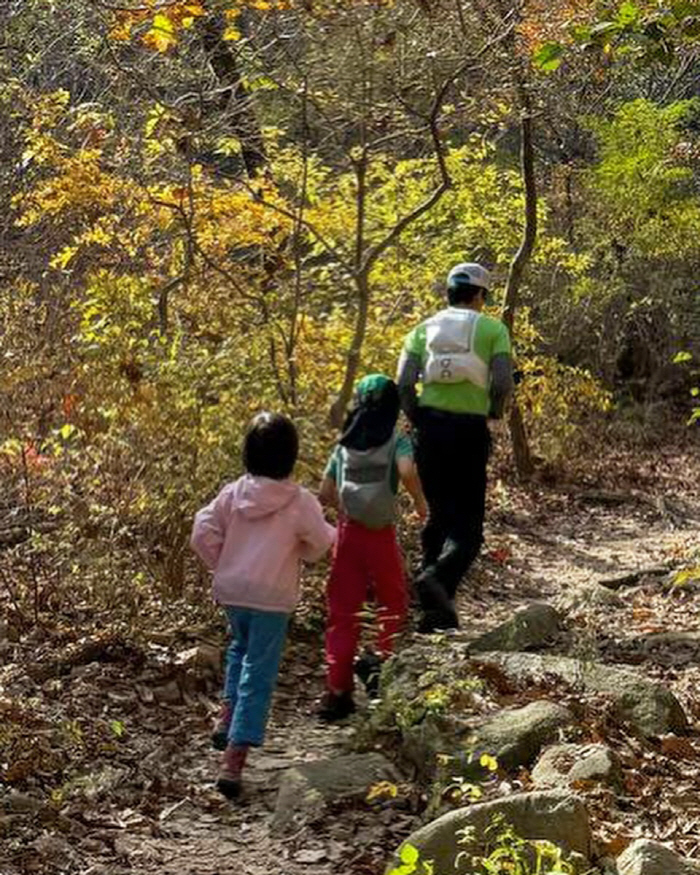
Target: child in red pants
[(361, 480)]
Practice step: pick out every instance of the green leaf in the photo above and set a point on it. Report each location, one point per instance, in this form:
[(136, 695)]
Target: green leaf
[(229, 146), (67, 430), (409, 854), (117, 728), (261, 83), (627, 14), (548, 56), (681, 357), (580, 33)]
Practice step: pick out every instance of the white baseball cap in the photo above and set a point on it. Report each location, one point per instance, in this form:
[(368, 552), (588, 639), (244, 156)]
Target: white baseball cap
[(469, 272)]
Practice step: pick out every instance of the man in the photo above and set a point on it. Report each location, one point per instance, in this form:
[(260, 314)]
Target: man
[(462, 358)]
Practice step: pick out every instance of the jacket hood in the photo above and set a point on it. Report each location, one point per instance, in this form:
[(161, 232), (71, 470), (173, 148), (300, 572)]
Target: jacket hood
[(371, 421), (257, 497)]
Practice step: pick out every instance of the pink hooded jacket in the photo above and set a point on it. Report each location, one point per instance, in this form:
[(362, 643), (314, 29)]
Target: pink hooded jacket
[(253, 535)]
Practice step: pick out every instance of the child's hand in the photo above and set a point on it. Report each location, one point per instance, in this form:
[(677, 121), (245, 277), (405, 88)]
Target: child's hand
[(498, 428), (421, 509)]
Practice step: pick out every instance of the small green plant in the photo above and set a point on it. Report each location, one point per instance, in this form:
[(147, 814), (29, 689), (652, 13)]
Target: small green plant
[(411, 863), (460, 789), (505, 853), (686, 576), (435, 698), (509, 854)]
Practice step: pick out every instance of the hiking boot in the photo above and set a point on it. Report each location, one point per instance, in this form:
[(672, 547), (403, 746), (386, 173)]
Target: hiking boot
[(219, 737), (229, 780), (336, 706), (438, 621), (368, 669), (438, 609)]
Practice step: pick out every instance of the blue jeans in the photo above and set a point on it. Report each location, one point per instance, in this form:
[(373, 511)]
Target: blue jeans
[(252, 663)]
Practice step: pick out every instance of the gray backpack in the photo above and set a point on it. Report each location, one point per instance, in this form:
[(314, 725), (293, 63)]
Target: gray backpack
[(364, 484)]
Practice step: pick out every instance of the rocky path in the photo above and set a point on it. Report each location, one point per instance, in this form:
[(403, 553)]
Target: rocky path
[(145, 803), (201, 834)]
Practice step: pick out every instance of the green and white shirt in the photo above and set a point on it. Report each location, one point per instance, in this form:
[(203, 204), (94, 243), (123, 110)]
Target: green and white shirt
[(454, 350)]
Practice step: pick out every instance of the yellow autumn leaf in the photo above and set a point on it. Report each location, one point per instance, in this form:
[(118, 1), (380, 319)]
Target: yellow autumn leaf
[(63, 258), (486, 761), (382, 790), (161, 36), (121, 32), (231, 34)]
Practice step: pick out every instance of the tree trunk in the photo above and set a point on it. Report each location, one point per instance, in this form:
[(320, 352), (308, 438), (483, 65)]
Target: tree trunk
[(234, 97), (352, 364), (521, 450)]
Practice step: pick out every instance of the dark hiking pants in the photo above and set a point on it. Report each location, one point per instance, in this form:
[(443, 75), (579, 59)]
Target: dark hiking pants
[(452, 450)]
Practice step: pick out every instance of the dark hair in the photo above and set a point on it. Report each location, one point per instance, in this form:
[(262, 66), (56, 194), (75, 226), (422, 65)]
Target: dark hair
[(271, 446), (463, 293)]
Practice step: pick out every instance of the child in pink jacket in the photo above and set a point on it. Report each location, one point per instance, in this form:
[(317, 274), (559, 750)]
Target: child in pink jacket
[(253, 536)]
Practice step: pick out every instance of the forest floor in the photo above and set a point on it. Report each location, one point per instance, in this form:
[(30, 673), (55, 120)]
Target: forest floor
[(107, 763)]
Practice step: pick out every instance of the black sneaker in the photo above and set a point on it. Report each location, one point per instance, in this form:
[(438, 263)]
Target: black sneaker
[(368, 669), (438, 610), (336, 706), (438, 621)]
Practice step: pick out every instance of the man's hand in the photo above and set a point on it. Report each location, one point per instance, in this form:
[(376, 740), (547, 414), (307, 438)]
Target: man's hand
[(408, 473)]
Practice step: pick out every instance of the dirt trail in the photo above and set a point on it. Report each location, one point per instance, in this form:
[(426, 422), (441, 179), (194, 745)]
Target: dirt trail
[(160, 814), (590, 544)]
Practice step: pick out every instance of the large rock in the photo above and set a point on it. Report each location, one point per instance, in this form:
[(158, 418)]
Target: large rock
[(429, 699), (528, 629), (307, 788), (556, 816), (650, 707), (645, 857), (585, 596), (563, 764), (677, 642), (515, 737)]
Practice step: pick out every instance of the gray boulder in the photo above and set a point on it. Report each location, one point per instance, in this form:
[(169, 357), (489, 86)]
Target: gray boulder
[(645, 857), (585, 596), (649, 706), (528, 629), (429, 699), (515, 737), (563, 764), (557, 816), (675, 641), (307, 788), (431, 702)]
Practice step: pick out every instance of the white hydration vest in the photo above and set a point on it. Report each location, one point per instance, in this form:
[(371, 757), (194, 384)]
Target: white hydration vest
[(449, 342)]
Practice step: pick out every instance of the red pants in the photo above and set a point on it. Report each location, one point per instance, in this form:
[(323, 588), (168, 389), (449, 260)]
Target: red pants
[(366, 562)]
